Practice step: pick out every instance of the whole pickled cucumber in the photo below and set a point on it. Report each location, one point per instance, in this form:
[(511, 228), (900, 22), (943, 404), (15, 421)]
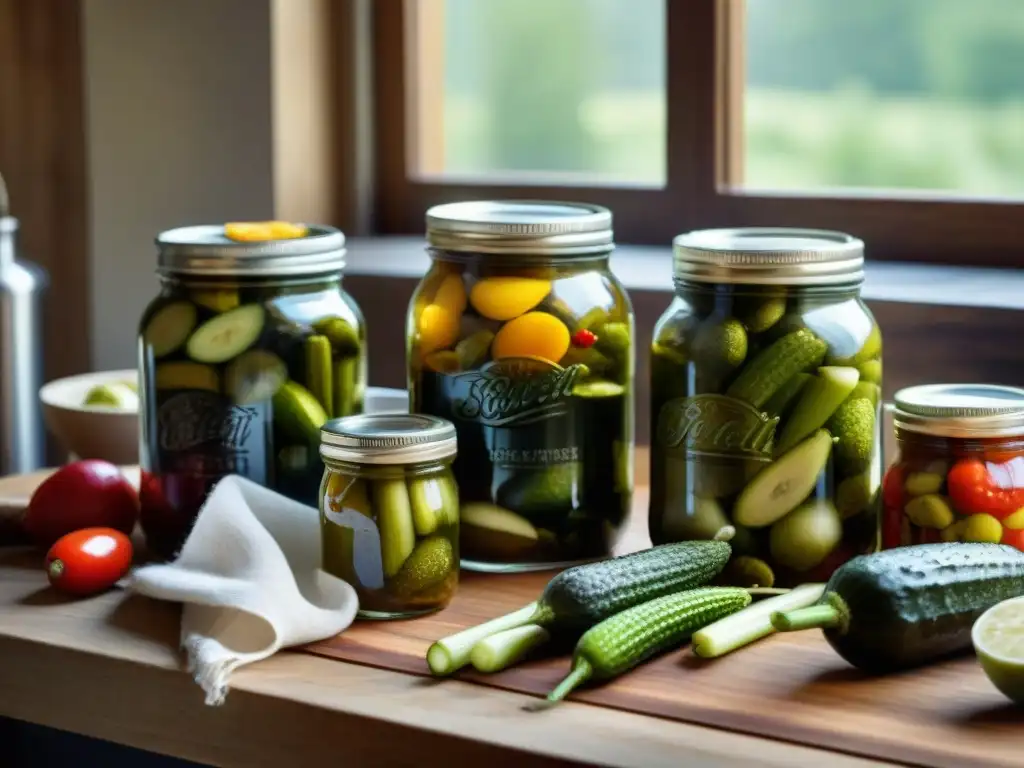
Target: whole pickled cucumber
[(765, 374), (394, 518), (762, 314), (341, 334), (853, 426), (779, 403), (318, 370), (428, 565), (426, 494)]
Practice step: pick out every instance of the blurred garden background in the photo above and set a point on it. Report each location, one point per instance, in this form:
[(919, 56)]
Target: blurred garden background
[(915, 94)]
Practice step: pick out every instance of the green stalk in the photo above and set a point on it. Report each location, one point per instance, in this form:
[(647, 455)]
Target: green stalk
[(581, 671), (453, 652), (825, 616), (502, 650), (751, 623)]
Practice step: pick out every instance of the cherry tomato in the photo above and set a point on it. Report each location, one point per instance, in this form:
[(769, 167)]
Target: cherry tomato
[(1013, 537), (88, 561), (979, 488), (892, 487)]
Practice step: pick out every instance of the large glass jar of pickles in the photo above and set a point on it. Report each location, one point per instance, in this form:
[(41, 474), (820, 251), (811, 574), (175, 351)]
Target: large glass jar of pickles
[(250, 347), (389, 511), (520, 335), (765, 387), (959, 475)]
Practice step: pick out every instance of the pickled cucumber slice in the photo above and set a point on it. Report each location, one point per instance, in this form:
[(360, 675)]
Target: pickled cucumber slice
[(492, 531), (445, 361), (598, 388), (169, 328), (853, 425), (787, 394), (429, 564), (855, 495), (225, 336), (450, 496), (806, 536), (342, 335), (539, 492), (700, 519), (871, 371), (348, 394), (298, 413), (769, 370), (116, 394), (183, 375), (472, 351), (394, 518), (254, 376), (319, 374), (764, 314), (217, 299), (819, 399), (779, 488), (746, 571), (426, 495)]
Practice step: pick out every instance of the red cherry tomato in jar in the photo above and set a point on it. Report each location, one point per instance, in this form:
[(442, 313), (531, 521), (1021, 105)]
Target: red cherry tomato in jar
[(892, 487), (892, 508), (976, 487), (88, 561), (1013, 537)]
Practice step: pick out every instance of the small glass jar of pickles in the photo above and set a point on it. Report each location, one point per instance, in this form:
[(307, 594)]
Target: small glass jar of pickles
[(251, 345), (522, 337), (765, 387), (959, 475), (389, 511)]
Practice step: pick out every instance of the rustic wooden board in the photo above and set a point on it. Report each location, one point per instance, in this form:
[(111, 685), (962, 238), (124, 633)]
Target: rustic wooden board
[(791, 686)]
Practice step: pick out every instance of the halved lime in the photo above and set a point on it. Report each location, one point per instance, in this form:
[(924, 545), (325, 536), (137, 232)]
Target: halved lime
[(998, 637)]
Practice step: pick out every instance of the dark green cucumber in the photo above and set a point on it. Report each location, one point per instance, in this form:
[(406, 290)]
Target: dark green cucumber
[(626, 639), (580, 597), (909, 606)]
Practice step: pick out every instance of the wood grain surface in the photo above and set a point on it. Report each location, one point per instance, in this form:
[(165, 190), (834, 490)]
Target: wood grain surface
[(790, 686)]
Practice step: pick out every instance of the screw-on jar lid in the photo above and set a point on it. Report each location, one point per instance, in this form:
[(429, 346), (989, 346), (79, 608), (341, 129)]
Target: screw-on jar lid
[(960, 410), (388, 438), (768, 256), (523, 227), (206, 250)]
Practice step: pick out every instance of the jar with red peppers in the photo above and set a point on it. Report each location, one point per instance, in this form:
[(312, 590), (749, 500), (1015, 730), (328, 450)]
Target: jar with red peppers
[(959, 475)]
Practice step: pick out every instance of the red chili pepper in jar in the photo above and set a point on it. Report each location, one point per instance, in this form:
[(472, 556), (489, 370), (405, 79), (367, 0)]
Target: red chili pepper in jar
[(892, 508), (979, 488), (583, 338)]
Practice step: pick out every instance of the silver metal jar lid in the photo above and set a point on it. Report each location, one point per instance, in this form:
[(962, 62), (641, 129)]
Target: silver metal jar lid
[(524, 227), (768, 256), (206, 250), (388, 438), (960, 410)]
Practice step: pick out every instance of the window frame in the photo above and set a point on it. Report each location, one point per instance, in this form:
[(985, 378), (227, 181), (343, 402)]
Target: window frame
[(704, 92)]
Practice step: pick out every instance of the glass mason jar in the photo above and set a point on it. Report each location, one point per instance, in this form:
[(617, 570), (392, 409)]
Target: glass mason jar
[(959, 475), (521, 336), (765, 388), (389, 511), (249, 348)]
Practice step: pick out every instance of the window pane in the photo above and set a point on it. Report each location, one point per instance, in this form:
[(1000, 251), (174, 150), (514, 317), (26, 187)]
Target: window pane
[(564, 87), (925, 94)]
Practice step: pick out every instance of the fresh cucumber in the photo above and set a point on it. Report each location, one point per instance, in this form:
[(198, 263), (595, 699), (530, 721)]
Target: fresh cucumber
[(624, 640), (580, 597), (908, 606)]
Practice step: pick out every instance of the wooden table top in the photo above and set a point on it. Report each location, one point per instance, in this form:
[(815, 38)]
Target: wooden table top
[(108, 667)]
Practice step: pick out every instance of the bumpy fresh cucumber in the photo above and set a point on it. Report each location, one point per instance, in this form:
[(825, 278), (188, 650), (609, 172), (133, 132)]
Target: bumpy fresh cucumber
[(582, 596), (624, 640), (761, 377), (908, 606)]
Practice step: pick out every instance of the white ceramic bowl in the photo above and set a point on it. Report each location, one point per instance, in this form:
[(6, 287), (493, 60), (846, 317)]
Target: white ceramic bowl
[(91, 431)]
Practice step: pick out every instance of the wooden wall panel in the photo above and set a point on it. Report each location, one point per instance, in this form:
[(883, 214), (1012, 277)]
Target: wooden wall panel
[(42, 158)]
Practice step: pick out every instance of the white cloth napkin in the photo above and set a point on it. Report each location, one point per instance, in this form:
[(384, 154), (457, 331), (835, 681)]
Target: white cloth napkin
[(250, 580)]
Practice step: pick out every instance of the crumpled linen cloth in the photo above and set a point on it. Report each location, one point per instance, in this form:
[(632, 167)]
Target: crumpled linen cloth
[(250, 580)]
